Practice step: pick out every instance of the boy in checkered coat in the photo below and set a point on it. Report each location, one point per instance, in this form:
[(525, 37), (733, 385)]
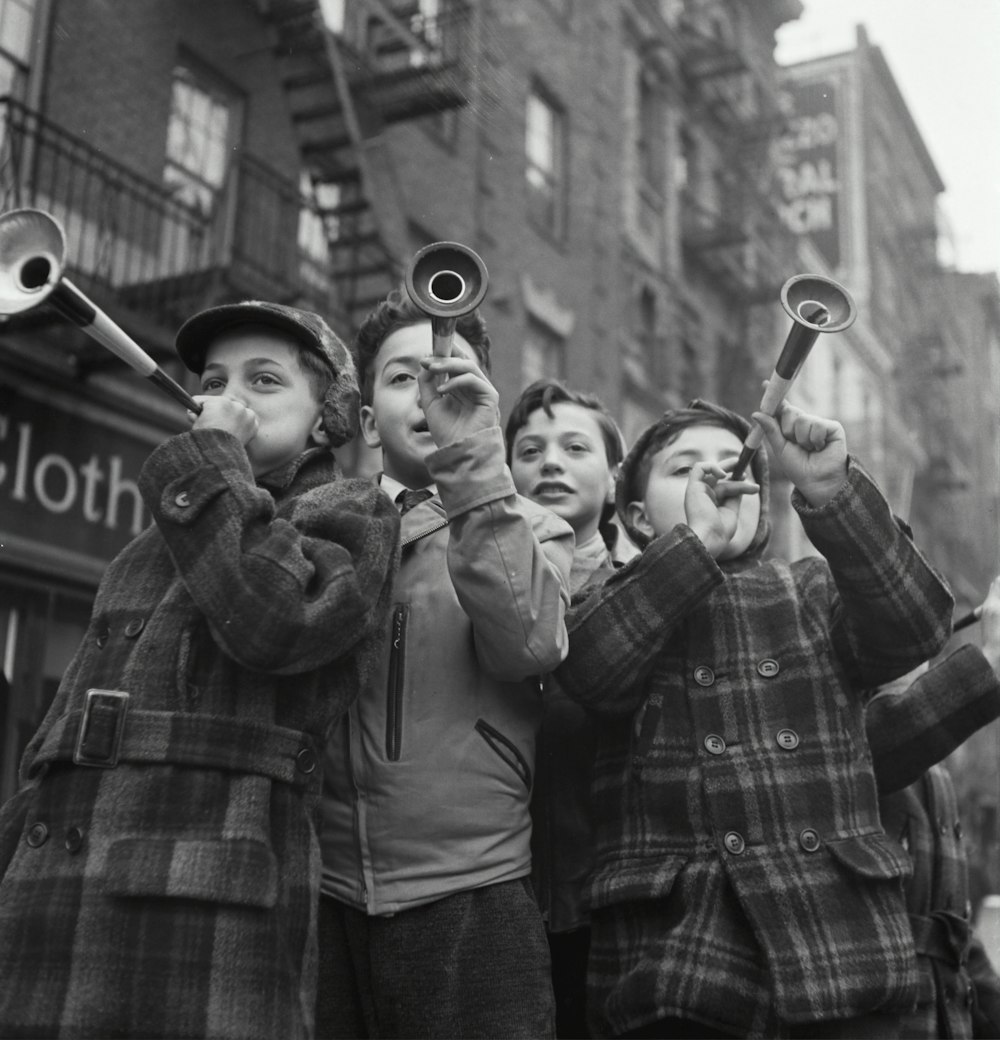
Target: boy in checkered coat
[(911, 728), (160, 866), (743, 882)]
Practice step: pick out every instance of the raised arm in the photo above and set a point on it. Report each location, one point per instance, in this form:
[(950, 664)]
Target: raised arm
[(509, 559), (617, 628), (282, 590), (913, 728)]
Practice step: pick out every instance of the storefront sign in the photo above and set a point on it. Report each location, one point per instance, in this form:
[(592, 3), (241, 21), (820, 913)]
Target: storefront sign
[(67, 480), (807, 158)]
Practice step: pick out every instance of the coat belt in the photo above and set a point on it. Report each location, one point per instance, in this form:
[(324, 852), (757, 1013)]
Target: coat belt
[(191, 739), (942, 936)]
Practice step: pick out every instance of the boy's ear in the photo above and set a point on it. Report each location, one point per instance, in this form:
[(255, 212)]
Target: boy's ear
[(318, 434), (635, 514), (612, 482), (369, 429)]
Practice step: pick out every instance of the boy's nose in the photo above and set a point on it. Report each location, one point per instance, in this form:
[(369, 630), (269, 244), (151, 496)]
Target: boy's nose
[(551, 460)]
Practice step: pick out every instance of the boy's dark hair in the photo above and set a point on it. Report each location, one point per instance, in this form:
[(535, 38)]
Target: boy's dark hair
[(634, 475), (544, 393), (397, 311)]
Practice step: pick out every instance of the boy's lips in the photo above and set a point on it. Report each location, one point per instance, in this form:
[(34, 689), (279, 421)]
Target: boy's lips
[(552, 487)]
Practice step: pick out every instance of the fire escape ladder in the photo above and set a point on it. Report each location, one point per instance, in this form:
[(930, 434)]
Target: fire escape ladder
[(388, 63), (369, 239)]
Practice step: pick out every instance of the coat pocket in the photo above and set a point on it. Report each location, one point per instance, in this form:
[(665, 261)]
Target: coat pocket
[(871, 856), (239, 871), (649, 879), (505, 749)]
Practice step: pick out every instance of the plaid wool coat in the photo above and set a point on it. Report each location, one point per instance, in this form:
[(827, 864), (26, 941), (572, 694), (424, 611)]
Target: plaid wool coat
[(910, 731), (743, 878), (174, 894)]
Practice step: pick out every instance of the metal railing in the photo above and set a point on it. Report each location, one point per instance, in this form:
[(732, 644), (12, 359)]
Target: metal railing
[(129, 237)]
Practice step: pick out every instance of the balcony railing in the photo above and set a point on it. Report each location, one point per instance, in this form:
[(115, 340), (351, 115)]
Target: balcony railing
[(128, 239)]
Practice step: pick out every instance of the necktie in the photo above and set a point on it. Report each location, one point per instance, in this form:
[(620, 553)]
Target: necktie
[(408, 498)]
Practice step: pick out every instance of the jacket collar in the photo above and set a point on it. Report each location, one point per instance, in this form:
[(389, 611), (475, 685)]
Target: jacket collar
[(313, 467)]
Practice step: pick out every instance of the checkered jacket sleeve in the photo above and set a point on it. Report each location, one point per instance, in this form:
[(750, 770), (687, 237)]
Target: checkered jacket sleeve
[(281, 593), (893, 610), (911, 730)]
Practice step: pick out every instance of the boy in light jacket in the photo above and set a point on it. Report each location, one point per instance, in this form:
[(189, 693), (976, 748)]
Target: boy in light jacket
[(428, 924)]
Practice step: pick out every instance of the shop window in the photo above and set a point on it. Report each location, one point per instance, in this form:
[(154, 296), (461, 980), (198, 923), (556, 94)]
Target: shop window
[(40, 630)]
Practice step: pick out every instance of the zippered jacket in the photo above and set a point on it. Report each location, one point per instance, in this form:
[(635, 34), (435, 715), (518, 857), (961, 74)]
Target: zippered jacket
[(429, 776)]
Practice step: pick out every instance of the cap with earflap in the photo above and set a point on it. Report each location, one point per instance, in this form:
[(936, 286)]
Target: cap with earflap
[(343, 400)]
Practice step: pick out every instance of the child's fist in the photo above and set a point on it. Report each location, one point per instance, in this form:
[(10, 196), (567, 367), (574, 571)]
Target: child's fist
[(712, 505), (810, 450), (226, 413)]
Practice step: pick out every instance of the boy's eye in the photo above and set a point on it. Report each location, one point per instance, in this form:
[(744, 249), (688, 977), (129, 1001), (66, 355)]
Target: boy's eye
[(210, 386), (681, 471), (267, 379), (400, 377), (528, 451), (579, 449)]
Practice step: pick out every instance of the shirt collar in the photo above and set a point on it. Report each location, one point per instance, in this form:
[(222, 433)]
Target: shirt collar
[(392, 487)]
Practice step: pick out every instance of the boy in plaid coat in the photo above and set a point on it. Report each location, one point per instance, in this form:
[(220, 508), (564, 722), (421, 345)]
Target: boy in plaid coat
[(160, 867), (911, 728), (744, 884)]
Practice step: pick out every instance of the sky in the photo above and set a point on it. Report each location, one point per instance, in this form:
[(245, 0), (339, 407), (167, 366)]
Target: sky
[(943, 55)]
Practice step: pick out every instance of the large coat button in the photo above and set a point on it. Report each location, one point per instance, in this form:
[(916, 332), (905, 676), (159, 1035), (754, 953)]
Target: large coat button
[(182, 499), (714, 744), (102, 636), (305, 760), (734, 842), (787, 739), (74, 840), (809, 840), (134, 627), (768, 668), (38, 835), (703, 675)]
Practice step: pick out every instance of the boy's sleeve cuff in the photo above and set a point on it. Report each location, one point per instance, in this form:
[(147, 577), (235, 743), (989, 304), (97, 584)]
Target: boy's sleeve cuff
[(471, 471), (185, 473)]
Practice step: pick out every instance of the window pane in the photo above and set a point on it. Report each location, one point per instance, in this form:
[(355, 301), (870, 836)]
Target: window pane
[(540, 133), (15, 27), (198, 139)]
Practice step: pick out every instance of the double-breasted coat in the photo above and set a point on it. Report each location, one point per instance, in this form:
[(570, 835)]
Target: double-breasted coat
[(159, 866), (743, 878), (910, 731)]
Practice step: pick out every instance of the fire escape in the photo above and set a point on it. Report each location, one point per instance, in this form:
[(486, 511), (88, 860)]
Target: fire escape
[(730, 223), (388, 63)]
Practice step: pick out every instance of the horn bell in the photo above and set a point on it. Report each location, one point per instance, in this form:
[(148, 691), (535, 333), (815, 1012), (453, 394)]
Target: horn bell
[(446, 279), (819, 303), (32, 256)]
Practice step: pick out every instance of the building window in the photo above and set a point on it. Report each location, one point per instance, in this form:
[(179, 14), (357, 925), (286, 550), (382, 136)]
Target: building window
[(203, 127), (653, 355), (689, 381), (544, 170), (15, 45), (650, 137), (544, 355)]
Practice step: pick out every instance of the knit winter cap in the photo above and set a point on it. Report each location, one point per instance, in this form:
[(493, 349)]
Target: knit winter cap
[(343, 399), (627, 489)]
